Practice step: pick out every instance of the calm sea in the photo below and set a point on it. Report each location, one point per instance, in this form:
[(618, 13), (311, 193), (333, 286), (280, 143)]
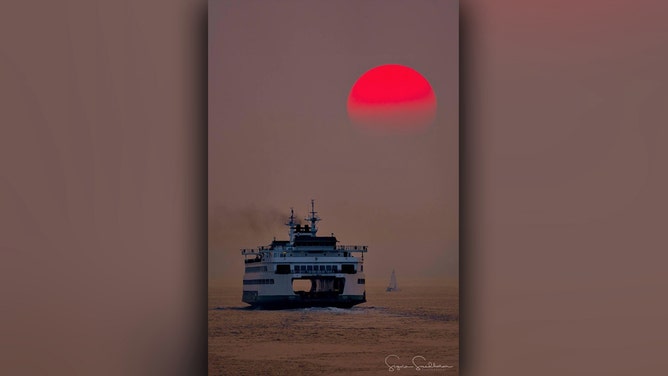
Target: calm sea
[(393, 333)]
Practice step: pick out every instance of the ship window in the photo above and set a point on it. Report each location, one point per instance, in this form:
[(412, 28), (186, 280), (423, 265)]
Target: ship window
[(360, 281), (309, 268), (302, 268), (348, 268), (361, 268), (322, 268), (328, 268), (251, 269), (283, 269), (334, 268)]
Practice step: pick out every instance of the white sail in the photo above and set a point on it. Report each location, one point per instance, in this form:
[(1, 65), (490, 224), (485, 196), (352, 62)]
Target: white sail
[(393, 282)]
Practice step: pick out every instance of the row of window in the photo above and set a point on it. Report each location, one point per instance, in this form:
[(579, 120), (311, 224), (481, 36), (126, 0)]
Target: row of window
[(258, 281), (250, 269), (344, 268), (315, 268)]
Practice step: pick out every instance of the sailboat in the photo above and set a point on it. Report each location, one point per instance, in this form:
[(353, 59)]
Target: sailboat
[(393, 283)]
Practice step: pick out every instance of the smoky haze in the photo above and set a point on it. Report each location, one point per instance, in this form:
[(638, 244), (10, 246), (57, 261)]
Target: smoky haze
[(279, 133)]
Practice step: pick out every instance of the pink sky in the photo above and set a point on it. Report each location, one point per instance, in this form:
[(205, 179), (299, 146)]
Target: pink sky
[(279, 133)]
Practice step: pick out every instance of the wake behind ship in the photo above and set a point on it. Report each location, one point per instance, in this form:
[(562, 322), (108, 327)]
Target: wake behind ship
[(305, 271)]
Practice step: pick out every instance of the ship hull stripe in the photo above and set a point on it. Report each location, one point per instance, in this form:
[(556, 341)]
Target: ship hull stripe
[(295, 301)]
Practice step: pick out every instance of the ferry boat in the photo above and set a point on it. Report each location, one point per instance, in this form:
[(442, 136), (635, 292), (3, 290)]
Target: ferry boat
[(305, 271)]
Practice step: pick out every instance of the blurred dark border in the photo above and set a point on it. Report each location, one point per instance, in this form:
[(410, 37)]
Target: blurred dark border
[(561, 288), (465, 186), (199, 362)]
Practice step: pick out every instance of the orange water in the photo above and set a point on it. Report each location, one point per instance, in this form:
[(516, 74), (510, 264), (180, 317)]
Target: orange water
[(421, 320)]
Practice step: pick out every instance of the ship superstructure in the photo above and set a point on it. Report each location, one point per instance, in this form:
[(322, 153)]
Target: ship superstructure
[(305, 271)]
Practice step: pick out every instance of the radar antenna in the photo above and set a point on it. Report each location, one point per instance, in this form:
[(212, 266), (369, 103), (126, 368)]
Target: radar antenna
[(313, 219)]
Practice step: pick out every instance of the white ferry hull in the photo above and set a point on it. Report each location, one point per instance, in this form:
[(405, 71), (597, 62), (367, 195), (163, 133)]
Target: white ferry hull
[(296, 301), (276, 291)]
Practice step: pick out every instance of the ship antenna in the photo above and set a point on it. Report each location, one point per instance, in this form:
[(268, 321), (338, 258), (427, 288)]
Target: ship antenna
[(313, 218)]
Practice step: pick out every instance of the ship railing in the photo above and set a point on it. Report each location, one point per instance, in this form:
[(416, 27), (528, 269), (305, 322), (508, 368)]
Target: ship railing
[(352, 248), (252, 255), (253, 251)]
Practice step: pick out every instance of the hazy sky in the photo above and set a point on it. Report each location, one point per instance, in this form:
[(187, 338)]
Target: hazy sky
[(279, 133)]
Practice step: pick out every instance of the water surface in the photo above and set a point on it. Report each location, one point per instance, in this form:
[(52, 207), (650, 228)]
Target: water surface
[(391, 329)]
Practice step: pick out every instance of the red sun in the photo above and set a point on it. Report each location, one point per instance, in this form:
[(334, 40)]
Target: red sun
[(392, 98)]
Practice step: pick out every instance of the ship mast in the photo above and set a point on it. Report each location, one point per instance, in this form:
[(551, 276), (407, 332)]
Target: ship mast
[(313, 219), (291, 224)]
